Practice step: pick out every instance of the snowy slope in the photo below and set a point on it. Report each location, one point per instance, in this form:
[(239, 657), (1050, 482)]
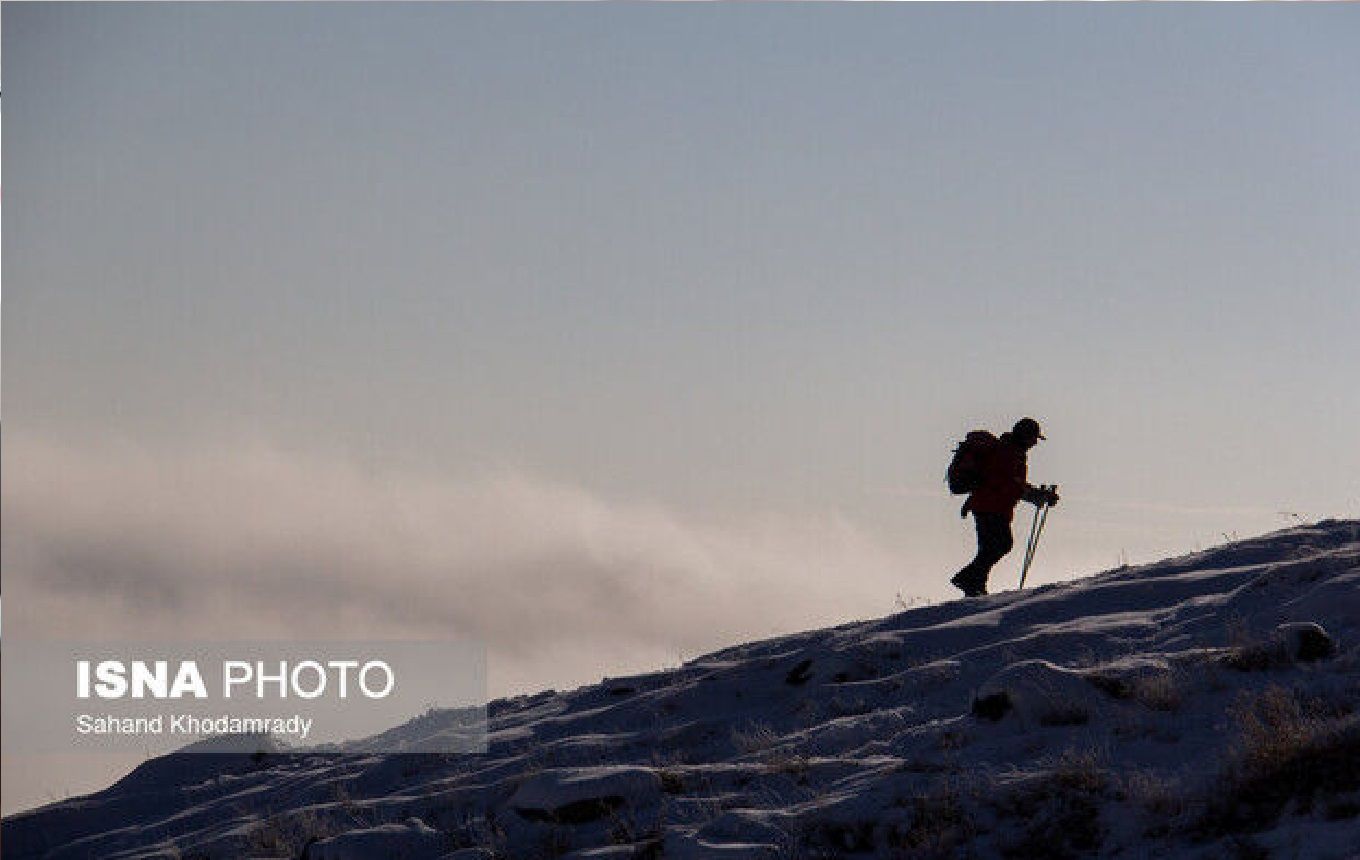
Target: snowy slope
[(1201, 706)]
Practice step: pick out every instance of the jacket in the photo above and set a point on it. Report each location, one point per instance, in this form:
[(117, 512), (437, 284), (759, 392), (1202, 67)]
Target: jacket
[(1004, 483)]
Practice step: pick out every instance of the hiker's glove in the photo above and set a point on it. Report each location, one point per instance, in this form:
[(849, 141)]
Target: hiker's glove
[(1040, 496)]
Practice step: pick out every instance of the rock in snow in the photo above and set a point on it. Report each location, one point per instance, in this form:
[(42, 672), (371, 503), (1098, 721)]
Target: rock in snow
[(579, 795), (1202, 706), (1306, 641)]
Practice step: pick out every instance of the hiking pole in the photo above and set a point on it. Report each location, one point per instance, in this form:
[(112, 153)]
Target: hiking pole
[(1036, 531), (1029, 546)]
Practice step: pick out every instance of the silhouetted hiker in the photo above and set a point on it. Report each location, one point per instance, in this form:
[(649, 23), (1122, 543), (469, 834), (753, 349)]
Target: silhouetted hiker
[(993, 471)]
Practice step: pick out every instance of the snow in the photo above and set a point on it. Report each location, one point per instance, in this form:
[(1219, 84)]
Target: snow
[(408, 841), (1119, 715)]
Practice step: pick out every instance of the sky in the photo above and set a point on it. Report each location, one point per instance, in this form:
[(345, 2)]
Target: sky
[(608, 335)]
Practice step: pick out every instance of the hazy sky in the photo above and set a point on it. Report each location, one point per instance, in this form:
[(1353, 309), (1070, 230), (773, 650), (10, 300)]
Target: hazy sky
[(612, 334)]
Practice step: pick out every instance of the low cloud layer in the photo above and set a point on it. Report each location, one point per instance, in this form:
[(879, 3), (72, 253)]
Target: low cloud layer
[(561, 585)]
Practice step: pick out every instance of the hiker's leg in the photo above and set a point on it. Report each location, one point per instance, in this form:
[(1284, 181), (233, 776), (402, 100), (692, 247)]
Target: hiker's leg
[(993, 537), (994, 541), (967, 575)]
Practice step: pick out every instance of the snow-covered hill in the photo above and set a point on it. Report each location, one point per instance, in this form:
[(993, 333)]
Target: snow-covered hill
[(1207, 705)]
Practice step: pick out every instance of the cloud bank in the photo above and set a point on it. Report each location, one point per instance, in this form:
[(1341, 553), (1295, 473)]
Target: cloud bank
[(247, 541)]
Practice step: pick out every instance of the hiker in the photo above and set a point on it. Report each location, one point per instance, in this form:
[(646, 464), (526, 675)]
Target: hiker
[(999, 486)]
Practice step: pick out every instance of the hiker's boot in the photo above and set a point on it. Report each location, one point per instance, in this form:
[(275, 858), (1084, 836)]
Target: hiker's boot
[(969, 585)]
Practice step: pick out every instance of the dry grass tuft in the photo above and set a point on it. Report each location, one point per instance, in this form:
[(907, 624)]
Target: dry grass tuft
[(1061, 809), (1287, 752), (754, 738), (1161, 692)]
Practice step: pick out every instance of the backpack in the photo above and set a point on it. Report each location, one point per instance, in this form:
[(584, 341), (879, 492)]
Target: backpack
[(965, 472)]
